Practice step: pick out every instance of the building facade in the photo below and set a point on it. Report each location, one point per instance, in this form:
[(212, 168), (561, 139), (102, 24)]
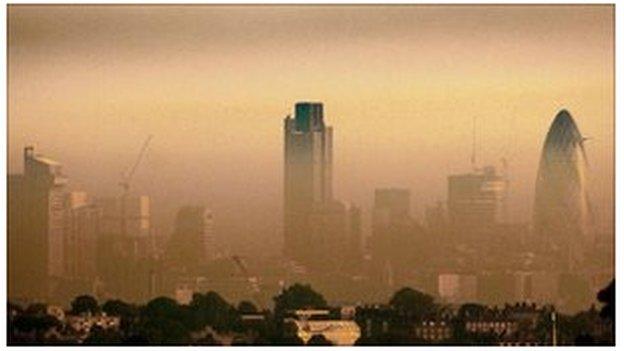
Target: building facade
[(35, 228), (192, 242), (561, 217), (392, 227), (476, 202), (81, 233), (307, 177)]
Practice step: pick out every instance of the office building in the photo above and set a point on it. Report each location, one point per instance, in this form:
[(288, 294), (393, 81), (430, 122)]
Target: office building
[(476, 202), (307, 177), (561, 217), (392, 240), (35, 228), (124, 246), (81, 232), (192, 242)]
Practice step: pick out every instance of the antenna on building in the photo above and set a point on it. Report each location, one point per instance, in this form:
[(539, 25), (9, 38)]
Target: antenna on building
[(505, 200), (473, 157)]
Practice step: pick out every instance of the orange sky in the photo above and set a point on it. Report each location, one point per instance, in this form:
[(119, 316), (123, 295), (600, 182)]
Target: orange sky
[(401, 85)]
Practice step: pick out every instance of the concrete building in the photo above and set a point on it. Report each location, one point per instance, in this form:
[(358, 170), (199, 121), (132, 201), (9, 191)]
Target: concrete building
[(135, 223), (305, 324), (81, 233), (457, 288), (125, 246), (476, 202), (433, 331), (307, 176), (392, 227), (392, 205), (35, 228), (192, 242), (354, 235)]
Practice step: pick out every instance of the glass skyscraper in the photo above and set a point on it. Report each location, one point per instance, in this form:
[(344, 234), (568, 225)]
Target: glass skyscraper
[(562, 209), (307, 175)]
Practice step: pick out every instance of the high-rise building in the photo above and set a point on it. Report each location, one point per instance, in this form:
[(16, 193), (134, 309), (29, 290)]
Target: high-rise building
[(134, 209), (392, 205), (307, 176), (124, 245), (561, 216), (435, 219), (476, 201), (192, 242), (354, 234), (35, 228), (393, 230), (82, 228)]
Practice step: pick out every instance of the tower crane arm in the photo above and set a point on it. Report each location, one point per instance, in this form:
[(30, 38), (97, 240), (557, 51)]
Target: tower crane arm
[(125, 182)]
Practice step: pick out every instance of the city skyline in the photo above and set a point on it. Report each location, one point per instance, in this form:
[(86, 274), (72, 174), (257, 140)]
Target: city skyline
[(406, 122), (311, 174)]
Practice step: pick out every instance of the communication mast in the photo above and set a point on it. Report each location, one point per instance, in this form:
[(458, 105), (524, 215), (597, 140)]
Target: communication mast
[(473, 156)]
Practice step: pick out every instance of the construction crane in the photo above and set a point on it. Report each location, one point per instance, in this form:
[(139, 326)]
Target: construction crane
[(125, 180), (125, 185), (252, 280)]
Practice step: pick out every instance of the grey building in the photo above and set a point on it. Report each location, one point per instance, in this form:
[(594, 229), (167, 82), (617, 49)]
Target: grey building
[(476, 201), (36, 208), (307, 177)]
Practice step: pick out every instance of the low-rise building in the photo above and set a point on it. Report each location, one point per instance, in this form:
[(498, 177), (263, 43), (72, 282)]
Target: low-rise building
[(305, 324), (433, 330)]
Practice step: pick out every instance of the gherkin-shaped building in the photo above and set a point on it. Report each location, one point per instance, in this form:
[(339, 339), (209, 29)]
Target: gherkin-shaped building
[(562, 209)]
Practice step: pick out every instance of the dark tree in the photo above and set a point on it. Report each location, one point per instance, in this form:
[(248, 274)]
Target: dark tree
[(161, 331), (470, 310), (31, 328), (298, 296), (118, 308), (319, 340), (84, 304), (99, 336), (36, 308), (127, 314), (246, 307), (211, 309), (607, 296), (162, 308), (584, 339), (289, 340), (413, 302), (208, 340)]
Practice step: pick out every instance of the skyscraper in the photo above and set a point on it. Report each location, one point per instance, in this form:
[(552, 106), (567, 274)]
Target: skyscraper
[(192, 242), (35, 227), (124, 244), (307, 175), (393, 232), (562, 210), (476, 201), (82, 229)]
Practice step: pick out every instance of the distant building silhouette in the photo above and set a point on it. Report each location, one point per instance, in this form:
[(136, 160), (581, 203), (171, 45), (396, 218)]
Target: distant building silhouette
[(354, 234), (476, 202), (562, 210), (393, 230), (192, 242), (82, 229), (35, 228), (307, 176), (124, 245)]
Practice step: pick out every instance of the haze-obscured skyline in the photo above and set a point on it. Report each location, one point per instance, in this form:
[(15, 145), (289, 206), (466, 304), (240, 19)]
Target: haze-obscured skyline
[(400, 85)]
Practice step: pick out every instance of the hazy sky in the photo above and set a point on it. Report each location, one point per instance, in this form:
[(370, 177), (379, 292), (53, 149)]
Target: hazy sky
[(400, 84)]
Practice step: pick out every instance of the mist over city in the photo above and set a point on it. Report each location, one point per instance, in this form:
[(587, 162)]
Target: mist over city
[(362, 155)]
